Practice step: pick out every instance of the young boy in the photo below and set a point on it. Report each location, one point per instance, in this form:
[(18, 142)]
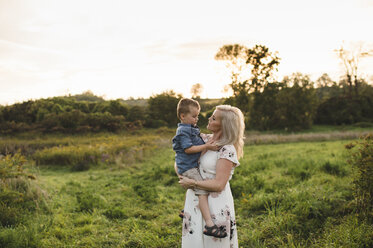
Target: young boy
[(188, 145)]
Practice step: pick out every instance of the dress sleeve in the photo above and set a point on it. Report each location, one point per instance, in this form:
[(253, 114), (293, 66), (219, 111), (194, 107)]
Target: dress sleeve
[(229, 152)]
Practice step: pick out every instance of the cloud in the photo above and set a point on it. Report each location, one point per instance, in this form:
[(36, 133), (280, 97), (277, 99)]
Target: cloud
[(366, 3), (191, 50), (16, 45)]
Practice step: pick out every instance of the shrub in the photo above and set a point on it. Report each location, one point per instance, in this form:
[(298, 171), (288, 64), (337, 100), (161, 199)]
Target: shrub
[(345, 110), (162, 109), (18, 194), (362, 165), (288, 105)]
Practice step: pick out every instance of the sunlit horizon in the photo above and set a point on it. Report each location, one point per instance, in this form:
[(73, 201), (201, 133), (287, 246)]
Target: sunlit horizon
[(121, 49)]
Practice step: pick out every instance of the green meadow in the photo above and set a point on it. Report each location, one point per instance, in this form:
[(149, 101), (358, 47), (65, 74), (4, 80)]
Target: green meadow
[(120, 190)]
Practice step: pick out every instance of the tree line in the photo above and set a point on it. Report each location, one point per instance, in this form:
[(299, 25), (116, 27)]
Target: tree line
[(89, 113), (294, 103)]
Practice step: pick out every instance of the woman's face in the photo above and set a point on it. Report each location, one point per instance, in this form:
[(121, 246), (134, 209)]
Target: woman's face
[(215, 122)]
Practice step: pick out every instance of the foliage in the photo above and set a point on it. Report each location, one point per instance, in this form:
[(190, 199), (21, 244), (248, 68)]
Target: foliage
[(264, 63), (196, 90), (87, 96), (350, 59), (18, 194), (94, 151), (327, 88), (136, 113), (362, 164), (286, 195), (288, 105), (275, 205), (81, 113), (275, 105), (162, 109), (250, 68), (344, 110)]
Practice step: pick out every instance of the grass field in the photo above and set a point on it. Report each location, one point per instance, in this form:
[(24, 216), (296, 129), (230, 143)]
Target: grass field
[(296, 194)]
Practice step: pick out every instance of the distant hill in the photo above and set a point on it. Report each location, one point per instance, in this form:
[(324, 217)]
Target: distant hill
[(86, 96), (206, 104)]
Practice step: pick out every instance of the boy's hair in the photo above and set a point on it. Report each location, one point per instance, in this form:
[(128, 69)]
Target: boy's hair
[(183, 107)]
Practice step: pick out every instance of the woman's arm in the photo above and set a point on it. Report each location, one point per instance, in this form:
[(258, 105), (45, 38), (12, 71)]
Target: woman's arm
[(175, 166), (223, 172)]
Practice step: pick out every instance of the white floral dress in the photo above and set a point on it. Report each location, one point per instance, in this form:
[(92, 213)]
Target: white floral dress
[(220, 203)]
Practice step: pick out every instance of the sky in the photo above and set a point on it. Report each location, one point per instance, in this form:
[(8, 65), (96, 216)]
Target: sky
[(123, 49)]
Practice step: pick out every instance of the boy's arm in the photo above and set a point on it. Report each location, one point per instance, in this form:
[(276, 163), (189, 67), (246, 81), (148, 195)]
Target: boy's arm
[(201, 148)]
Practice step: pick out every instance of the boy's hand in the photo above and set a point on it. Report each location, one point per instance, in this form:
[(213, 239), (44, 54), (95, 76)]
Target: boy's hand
[(212, 146)]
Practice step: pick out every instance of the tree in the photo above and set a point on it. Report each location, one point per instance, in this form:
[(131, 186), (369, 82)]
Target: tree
[(117, 108), (325, 81), (235, 57), (263, 63), (162, 109), (351, 59), (298, 100), (326, 88), (196, 90), (136, 113), (250, 69), (288, 105)]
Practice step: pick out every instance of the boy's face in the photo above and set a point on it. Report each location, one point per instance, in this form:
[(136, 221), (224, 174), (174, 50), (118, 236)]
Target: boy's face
[(191, 117)]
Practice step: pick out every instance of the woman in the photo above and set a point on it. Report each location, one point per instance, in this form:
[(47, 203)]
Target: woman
[(216, 167)]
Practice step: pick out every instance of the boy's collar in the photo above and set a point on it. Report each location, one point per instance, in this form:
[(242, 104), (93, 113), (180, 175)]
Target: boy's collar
[(186, 125)]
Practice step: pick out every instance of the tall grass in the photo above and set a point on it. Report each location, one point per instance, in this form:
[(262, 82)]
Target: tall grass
[(286, 195), (255, 138), (362, 164), (20, 198), (121, 150)]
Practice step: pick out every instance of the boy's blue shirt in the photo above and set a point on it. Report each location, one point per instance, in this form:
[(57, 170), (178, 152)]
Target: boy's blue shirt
[(186, 136)]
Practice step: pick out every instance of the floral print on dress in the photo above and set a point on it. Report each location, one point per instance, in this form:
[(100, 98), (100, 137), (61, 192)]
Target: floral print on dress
[(214, 194), (187, 224), (224, 220), (229, 152), (221, 206)]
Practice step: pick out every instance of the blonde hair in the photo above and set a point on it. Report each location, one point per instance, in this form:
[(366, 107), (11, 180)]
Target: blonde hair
[(233, 127), (183, 107)]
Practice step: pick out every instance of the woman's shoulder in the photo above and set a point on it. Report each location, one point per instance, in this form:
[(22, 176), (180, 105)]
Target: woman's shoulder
[(229, 152), (228, 147)]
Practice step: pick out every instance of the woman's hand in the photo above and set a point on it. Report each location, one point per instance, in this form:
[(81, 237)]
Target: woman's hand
[(186, 183)]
